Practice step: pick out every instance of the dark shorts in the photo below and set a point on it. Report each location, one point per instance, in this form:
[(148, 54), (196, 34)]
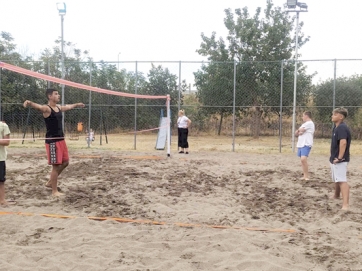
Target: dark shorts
[(57, 152), (2, 171)]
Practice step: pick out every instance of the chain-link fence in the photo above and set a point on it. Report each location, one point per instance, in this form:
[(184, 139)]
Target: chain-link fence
[(221, 98)]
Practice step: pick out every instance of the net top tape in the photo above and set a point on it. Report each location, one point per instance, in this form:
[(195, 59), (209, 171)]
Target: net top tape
[(76, 85)]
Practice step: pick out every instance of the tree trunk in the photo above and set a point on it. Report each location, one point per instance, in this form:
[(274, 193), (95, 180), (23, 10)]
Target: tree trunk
[(256, 117), (221, 118)]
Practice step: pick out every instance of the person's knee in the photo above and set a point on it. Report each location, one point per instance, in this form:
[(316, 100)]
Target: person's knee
[(303, 159)]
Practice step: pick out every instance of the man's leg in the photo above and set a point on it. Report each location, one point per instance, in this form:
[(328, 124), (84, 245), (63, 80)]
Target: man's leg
[(2, 194), (304, 162), (59, 170), (56, 171), (344, 188), (337, 191)]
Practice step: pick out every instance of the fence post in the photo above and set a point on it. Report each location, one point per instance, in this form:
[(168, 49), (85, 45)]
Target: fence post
[(0, 96), (48, 73), (135, 108), (90, 104), (281, 105), (179, 86), (334, 83), (234, 94)]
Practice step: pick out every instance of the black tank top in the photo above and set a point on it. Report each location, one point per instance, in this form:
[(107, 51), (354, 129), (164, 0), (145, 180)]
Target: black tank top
[(54, 126)]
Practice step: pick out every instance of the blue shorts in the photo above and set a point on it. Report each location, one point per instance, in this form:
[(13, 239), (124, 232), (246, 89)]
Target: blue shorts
[(304, 151)]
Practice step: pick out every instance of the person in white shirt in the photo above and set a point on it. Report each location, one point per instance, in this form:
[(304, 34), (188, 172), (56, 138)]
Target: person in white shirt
[(4, 142), (305, 141), (183, 124), (90, 136)]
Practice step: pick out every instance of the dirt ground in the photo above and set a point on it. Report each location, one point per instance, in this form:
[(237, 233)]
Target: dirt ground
[(272, 219)]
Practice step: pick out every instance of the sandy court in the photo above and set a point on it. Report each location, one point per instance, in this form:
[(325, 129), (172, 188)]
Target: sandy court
[(203, 211)]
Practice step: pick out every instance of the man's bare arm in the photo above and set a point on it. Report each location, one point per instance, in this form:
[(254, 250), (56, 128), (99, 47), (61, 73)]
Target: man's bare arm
[(5, 141), (71, 106), (41, 108), (342, 148)]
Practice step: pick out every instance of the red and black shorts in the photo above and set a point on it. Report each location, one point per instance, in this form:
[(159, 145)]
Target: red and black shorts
[(57, 152)]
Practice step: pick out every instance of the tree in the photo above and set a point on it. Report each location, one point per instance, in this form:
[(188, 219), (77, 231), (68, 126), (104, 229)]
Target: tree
[(258, 45), (348, 93), (160, 81), (14, 86)]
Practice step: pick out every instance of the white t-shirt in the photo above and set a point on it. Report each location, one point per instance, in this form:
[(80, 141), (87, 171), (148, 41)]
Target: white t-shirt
[(182, 122), (306, 139), (4, 131)]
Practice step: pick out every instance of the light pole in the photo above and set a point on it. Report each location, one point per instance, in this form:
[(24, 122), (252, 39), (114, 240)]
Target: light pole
[(62, 11), (118, 60), (295, 6)]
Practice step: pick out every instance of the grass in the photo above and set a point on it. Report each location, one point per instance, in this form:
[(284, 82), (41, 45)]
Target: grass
[(147, 142)]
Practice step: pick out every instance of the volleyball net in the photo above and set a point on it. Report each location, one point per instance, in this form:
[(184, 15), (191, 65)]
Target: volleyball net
[(108, 111)]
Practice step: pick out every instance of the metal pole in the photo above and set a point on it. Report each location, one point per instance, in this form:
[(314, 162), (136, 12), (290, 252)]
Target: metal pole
[(179, 86), (135, 108), (118, 61), (168, 126), (295, 82), (281, 105), (62, 49), (0, 96), (234, 98), (90, 104), (334, 83), (48, 73)]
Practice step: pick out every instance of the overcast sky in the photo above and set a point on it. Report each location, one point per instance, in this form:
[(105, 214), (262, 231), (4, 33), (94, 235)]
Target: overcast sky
[(160, 30)]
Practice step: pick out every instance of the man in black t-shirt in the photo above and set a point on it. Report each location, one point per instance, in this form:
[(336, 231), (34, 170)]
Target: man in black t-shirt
[(340, 144), (55, 145)]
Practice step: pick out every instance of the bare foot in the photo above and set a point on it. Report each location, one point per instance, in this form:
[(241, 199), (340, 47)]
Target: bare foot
[(57, 194), (49, 186), (345, 208), (7, 203), (334, 197), (304, 179)]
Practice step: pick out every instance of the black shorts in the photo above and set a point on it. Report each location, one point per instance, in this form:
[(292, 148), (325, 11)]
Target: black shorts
[(2, 171)]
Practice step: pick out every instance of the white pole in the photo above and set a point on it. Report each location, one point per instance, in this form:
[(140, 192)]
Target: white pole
[(62, 48), (168, 126), (295, 82)]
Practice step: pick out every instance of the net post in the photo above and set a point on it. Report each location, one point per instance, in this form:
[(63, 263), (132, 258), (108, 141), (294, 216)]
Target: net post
[(168, 126)]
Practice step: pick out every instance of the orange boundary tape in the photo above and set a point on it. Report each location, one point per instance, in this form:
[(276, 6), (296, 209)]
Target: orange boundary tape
[(151, 222), (136, 157)]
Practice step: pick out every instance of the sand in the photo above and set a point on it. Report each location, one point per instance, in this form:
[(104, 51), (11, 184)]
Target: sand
[(202, 211)]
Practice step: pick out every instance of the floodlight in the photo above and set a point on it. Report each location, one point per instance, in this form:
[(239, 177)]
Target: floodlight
[(302, 5), (292, 3), (61, 8)]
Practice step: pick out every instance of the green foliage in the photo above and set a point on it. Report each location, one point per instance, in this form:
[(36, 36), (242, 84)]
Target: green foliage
[(348, 94), (115, 111), (257, 44)]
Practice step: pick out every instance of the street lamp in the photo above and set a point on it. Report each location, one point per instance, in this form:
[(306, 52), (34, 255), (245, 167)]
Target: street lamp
[(295, 6), (62, 11), (118, 60)]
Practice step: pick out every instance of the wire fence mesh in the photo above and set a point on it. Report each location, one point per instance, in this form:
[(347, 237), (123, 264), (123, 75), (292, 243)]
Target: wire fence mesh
[(221, 98)]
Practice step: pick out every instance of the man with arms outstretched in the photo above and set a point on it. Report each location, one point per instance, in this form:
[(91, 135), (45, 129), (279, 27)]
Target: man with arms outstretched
[(55, 145)]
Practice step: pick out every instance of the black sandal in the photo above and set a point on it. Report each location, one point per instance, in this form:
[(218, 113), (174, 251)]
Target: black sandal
[(181, 152), (187, 152)]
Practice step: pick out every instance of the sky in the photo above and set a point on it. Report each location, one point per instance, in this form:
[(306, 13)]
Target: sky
[(160, 30)]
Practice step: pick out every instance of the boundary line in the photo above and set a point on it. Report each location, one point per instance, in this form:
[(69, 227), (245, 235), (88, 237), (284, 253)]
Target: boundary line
[(151, 222)]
